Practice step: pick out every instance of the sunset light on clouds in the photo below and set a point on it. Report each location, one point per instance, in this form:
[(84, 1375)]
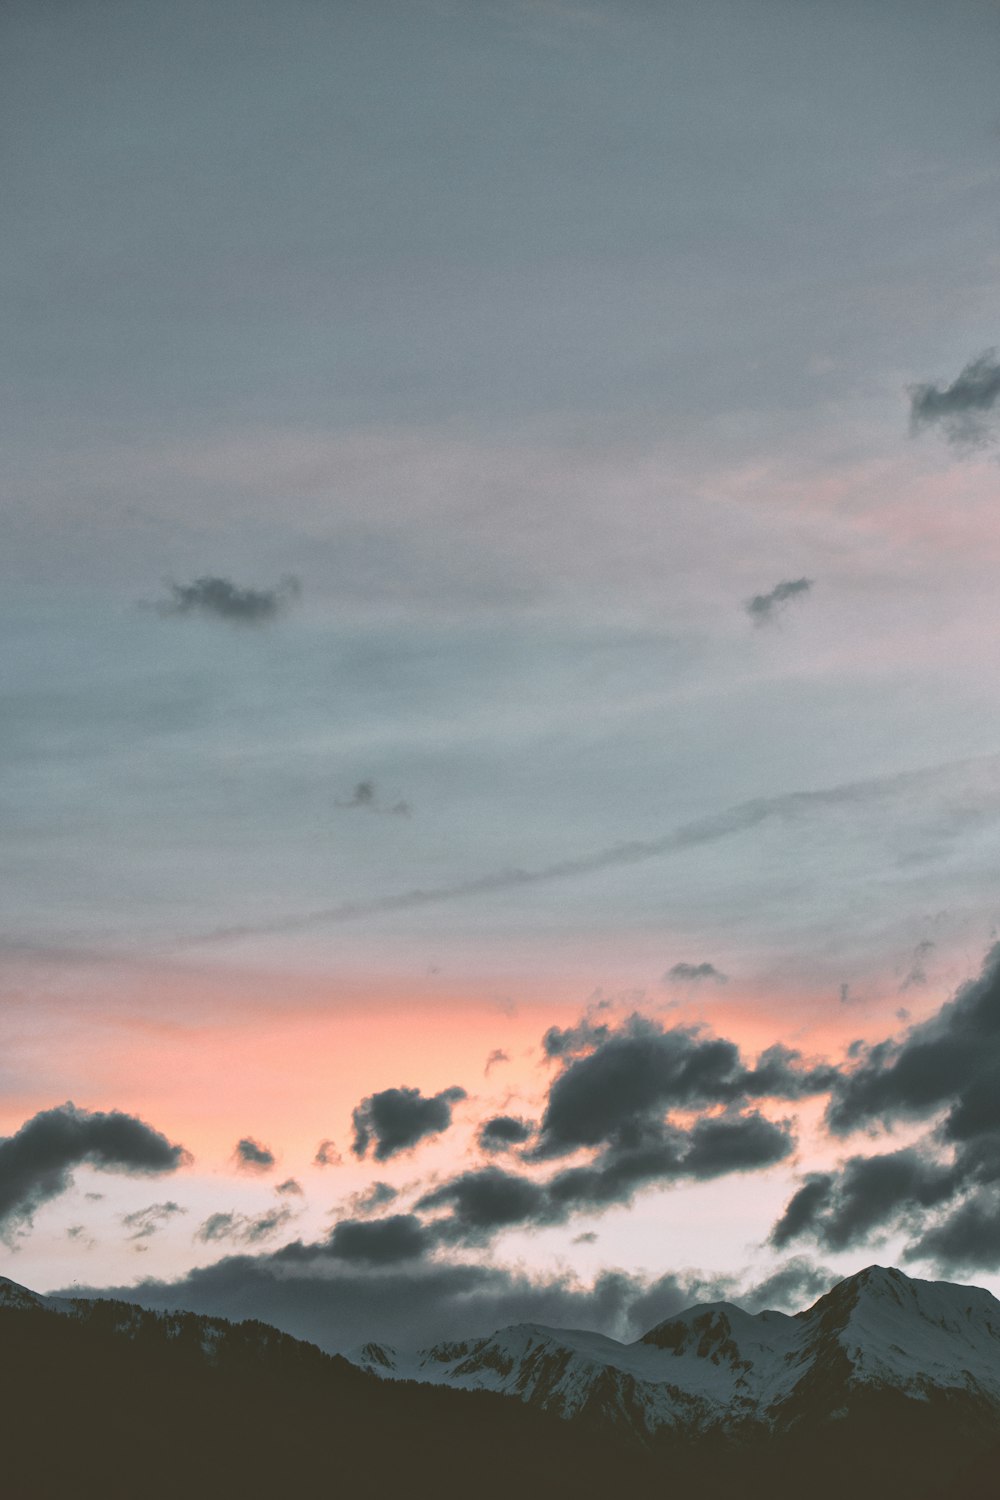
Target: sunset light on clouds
[(499, 729)]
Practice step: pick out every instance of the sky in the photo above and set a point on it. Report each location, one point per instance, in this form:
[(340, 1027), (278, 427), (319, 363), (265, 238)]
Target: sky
[(499, 730)]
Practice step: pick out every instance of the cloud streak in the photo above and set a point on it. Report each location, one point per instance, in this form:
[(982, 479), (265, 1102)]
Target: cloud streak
[(789, 807)]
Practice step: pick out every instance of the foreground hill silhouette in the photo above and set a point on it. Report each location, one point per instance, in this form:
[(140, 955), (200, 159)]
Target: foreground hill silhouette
[(102, 1398)]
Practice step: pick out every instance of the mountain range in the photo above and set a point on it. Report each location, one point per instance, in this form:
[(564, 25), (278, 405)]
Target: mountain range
[(716, 1368), (887, 1385)]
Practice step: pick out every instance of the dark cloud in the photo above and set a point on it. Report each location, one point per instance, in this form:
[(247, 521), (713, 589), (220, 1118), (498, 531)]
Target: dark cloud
[(244, 1229), (763, 608), (940, 1190), (967, 409), (221, 599), (483, 1202), (36, 1164), (373, 1198), (847, 1208), (365, 796), (289, 1186), (694, 974), (340, 1304), (630, 1078), (327, 1155), (251, 1156), (144, 1222), (951, 1061), (395, 1120), (380, 1242), (793, 1285), (570, 1041), (968, 1237), (497, 1056), (502, 1132), (614, 1096)]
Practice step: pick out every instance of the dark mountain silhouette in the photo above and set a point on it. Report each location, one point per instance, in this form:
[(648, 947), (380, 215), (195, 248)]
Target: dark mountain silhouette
[(886, 1385)]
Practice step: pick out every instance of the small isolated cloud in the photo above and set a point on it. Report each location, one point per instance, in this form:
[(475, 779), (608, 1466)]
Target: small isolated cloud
[(36, 1163), (967, 410), (395, 1120), (144, 1222), (694, 974), (588, 1237), (763, 608), (251, 1156), (365, 796), (243, 1229), (327, 1155), (289, 1186), (221, 599), (496, 1057), (504, 1132)]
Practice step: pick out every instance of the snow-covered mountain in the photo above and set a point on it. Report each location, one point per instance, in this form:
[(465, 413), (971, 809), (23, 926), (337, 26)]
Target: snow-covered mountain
[(716, 1367)]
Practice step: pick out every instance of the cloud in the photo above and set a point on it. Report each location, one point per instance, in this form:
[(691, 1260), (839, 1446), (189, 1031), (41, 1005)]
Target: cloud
[(794, 808), (763, 608), (794, 1284), (289, 1186), (327, 1155), (373, 1198), (916, 975), (380, 1242), (570, 1041), (941, 1190), (694, 974), (244, 1229), (395, 1120), (502, 1132), (36, 1163), (844, 1209), (251, 1156), (220, 598), (365, 796), (483, 1202), (342, 1302), (144, 1222), (615, 1096), (967, 409), (496, 1057), (628, 1079)]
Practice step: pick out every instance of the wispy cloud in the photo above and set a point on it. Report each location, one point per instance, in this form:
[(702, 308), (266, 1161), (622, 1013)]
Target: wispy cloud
[(789, 807), (144, 1222)]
